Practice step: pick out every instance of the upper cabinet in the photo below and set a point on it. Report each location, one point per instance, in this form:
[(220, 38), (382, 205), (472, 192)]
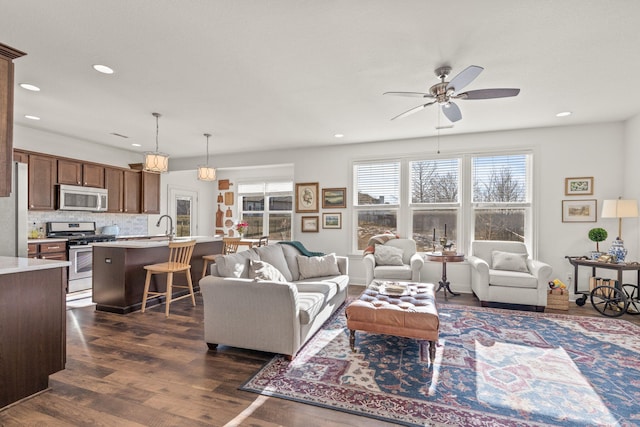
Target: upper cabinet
[(7, 55), (150, 192), (114, 183), (43, 171), (131, 192), (77, 173)]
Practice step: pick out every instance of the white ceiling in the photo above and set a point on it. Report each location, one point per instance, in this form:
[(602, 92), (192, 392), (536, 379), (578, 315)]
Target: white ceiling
[(292, 73)]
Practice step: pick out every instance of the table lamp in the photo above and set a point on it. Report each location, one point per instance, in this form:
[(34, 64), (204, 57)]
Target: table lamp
[(619, 208)]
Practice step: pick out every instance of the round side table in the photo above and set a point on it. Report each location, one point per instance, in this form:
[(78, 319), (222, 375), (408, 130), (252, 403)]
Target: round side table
[(444, 258)]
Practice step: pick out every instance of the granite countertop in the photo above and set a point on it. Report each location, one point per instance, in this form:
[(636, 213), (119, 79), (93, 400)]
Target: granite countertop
[(9, 265), (146, 243)]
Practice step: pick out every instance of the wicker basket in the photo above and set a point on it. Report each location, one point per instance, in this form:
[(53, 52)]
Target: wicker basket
[(558, 299)]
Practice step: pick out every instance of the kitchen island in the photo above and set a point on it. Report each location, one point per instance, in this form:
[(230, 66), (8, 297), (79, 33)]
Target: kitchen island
[(32, 325), (119, 274)]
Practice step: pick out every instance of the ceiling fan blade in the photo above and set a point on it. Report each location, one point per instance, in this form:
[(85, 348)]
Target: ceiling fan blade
[(410, 94), (465, 77), (413, 110), (452, 111), (488, 93)]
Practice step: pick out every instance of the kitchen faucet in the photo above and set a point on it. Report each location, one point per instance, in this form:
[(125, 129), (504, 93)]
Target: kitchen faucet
[(170, 223)]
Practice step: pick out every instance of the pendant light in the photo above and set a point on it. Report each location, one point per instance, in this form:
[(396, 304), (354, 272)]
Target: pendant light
[(206, 172), (156, 161)]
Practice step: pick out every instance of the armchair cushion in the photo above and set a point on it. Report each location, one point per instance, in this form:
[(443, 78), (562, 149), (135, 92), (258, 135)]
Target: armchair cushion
[(509, 261), (388, 255)]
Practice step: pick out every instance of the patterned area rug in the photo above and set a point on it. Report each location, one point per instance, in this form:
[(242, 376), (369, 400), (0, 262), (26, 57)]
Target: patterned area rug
[(493, 368)]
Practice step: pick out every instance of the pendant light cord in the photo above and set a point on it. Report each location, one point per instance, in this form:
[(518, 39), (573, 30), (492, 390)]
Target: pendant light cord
[(207, 135), (157, 116)]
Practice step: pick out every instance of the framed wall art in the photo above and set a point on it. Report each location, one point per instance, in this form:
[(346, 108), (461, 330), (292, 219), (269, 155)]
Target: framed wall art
[(307, 197), (333, 198), (579, 210), (309, 224), (332, 220), (578, 186)]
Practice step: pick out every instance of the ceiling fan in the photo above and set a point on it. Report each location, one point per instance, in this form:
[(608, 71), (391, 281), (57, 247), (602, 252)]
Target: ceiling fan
[(443, 92)]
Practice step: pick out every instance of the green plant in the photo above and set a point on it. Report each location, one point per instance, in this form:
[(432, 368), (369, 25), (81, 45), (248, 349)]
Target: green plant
[(597, 235)]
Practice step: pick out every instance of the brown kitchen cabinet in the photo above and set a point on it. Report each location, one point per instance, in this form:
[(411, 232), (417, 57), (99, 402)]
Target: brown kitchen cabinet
[(49, 250), (20, 156), (43, 173), (150, 192), (131, 191), (78, 173), (114, 183)]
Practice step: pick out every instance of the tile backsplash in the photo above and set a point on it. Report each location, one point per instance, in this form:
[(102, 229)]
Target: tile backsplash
[(129, 224)]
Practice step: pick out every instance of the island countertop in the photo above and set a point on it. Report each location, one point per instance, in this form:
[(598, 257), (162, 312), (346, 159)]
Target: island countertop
[(9, 265), (144, 243)]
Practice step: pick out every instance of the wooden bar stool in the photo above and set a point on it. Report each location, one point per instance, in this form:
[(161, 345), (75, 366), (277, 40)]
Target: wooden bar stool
[(179, 261), (229, 246)]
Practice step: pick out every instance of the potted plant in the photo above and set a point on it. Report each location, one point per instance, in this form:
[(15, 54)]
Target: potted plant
[(597, 235)]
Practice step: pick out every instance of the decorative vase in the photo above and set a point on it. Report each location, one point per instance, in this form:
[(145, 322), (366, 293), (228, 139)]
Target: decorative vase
[(617, 250), (596, 254)]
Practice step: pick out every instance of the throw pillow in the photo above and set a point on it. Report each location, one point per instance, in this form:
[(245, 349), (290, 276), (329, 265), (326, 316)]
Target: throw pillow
[(388, 255), (262, 270), (318, 266), (274, 255), (509, 261)]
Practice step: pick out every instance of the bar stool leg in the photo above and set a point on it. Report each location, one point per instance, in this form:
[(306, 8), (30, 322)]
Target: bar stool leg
[(169, 293), (146, 290), (193, 297), (204, 268)]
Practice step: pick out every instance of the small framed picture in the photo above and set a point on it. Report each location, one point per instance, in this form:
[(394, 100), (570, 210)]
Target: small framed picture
[(310, 224), (307, 197), (578, 186), (333, 198), (332, 220), (579, 210)]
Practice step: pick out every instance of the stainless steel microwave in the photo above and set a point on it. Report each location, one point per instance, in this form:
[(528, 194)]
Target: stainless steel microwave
[(76, 198)]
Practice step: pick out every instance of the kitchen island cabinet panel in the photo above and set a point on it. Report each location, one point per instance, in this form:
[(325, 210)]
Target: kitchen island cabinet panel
[(33, 326), (119, 274)]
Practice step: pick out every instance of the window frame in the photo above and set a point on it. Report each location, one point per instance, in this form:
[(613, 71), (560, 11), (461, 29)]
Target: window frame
[(266, 212)]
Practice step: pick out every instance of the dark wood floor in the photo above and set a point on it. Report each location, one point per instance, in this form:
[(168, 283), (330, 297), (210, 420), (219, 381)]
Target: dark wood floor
[(146, 370)]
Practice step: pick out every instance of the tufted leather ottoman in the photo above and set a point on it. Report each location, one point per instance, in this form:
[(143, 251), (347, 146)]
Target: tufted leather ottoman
[(412, 316)]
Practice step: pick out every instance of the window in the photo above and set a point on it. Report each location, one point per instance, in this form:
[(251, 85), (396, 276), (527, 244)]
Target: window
[(434, 201), (472, 197), (377, 199), (500, 201), (267, 208)]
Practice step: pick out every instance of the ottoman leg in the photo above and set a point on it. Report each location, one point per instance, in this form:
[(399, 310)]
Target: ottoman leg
[(432, 351), (352, 340)]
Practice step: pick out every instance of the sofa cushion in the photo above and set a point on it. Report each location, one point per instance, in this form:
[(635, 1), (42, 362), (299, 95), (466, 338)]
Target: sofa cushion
[(317, 266), (341, 281), (262, 270), (273, 255), (509, 261), (388, 255), (235, 265), (328, 289), (290, 254)]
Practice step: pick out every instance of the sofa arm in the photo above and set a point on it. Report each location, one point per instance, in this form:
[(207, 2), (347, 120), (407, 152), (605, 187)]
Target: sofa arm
[(244, 313), (343, 265), (541, 271), (369, 262), (416, 263)]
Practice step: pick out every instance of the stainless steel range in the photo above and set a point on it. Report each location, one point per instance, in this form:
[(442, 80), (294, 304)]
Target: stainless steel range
[(79, 235)]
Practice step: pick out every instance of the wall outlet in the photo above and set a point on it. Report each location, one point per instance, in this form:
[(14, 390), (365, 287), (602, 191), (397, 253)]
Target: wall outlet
[(569, 278)]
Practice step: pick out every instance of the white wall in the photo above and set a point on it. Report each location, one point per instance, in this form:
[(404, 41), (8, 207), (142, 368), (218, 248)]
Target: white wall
[(631, 184)]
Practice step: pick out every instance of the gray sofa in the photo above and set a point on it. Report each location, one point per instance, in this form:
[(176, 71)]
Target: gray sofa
[(260, 313)]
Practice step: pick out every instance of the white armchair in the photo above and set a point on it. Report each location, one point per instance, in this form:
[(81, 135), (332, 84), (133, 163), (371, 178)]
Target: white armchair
[(385, 264), (503, 273)]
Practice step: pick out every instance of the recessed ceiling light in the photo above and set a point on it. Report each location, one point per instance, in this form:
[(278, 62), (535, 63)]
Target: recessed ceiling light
[(564, 114), (31, 117), (338, 135), (136, 145), (30, 87), (103, 69)]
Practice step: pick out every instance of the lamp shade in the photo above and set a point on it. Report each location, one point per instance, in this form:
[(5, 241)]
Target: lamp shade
[(156, 162), (619, 208), (206, 173)]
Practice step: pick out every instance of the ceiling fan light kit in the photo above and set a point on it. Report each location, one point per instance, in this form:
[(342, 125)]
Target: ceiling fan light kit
[(442, 93)]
